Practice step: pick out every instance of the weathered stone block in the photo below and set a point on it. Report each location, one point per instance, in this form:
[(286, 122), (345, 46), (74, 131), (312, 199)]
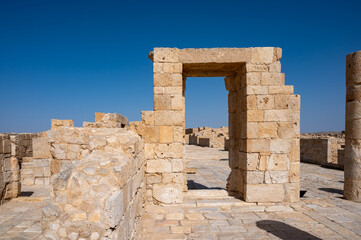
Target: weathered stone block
[(264, 192), (280, 145), (265, 102), (148, 117), (169, 193), (158, 166), (169, 118), (165, 134), (165, 55), (151, 134), (56, 123), (273, 79), (267, 129)]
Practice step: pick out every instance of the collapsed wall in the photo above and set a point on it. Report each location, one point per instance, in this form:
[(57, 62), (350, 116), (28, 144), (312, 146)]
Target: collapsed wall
[(14, 148), (207, 137), (97, 185)]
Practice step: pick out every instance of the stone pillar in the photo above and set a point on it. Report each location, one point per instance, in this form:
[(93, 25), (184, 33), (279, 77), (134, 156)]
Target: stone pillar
[(164, 130), (352, 167)]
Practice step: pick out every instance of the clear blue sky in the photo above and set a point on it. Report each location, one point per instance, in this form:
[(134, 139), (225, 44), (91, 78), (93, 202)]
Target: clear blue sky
[(69, 59)]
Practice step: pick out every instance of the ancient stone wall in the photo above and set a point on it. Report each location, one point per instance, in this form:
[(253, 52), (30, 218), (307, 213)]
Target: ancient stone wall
[(322, 150), (14, 148), (97, 184), (207, 137)]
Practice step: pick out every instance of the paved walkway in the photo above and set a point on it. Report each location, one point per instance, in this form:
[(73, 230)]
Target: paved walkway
[(208, 213)]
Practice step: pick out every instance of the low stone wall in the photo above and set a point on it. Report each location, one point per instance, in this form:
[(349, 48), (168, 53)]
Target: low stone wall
[(14, 148), (322, 149), (207, 137), (97, 185)]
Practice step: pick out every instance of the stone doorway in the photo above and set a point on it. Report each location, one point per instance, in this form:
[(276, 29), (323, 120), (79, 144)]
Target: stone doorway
[(206, 118), (263, 123)]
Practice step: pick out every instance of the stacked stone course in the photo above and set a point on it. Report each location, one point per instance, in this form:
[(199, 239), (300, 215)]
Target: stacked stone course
[(14, 148)]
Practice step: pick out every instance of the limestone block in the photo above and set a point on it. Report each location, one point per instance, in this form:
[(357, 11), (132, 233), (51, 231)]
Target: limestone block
[(58, 150), (168, 118), (166, 79), (220, 55), (177, 102), (165, 55), (251, 102), (252, 130), (353, 149), (151, 134), (353, 110), (178, 134), (255, 115), (148, 118), (275, 67), (352, 170), (95, 142), (149, 151), (256, 67), (278, 162), (353, 129), (267, 129), (264, 193), (295, 150), (173, 150), (265, 102), (352, 189), (253, 78), (6, 146), (276, 176), (153, 178), (285, 130), (273, 79), (158, 166), (292, 192), (168, 193), (74, 152), (258, 145), (255, 177), (28, 181), (280, 89), (176, 178), (353, 93), (260, 90), (98, 116), (162, 102), (294, 172), (263, 54), (172, 67), (113, 210), (177, 165), (165, 134), (353, 69), (280, 145), (56, 123), (277, 115)]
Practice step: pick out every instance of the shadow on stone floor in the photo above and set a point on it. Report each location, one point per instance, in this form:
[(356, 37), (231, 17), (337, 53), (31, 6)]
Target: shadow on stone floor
[(26, 194), (332, 190), (192, 185), (283, 230)]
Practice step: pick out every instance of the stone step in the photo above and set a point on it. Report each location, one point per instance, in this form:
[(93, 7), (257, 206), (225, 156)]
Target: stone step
[(208, 194)]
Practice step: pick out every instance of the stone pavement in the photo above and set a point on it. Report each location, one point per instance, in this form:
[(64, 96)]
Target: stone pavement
[(20, 218), (208, 213)]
